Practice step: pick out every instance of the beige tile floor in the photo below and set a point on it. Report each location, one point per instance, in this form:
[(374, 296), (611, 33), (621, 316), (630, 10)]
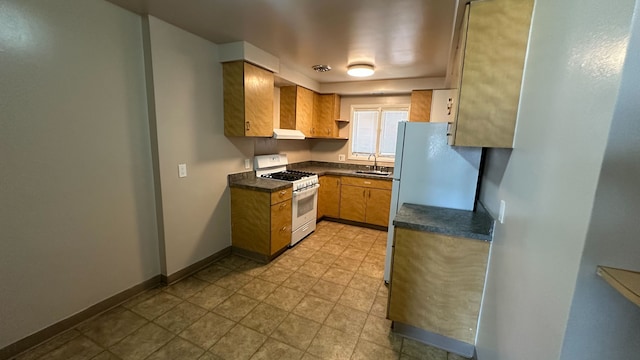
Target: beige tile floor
[(322, 299)]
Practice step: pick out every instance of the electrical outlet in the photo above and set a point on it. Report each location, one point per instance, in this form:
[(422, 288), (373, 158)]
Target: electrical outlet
[(247, 163), (182, 170), (503, 206), (341, 157)]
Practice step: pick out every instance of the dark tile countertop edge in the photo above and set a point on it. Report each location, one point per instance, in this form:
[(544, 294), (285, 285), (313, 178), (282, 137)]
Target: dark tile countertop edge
[(476, 225), (339, 169), (248, 179)]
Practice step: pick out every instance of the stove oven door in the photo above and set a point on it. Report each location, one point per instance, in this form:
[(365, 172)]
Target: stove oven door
[(305, 206)]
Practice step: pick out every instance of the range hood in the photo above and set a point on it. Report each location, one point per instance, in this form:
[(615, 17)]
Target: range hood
[(288, 134)]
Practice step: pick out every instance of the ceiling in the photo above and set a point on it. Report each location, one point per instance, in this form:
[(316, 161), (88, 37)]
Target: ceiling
[(402, 38)]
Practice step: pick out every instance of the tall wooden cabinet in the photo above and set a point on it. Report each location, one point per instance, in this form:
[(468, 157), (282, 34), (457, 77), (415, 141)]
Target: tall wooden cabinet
[(365, 200), (248, 100), (260, 222), (296, 109), (329, 196), (420, 110), (494, 50)]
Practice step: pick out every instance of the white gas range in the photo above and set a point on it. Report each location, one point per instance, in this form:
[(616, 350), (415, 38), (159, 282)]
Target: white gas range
[(304, 203)]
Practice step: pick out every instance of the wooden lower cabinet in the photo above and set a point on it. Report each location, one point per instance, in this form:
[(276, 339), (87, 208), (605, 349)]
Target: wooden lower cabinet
[(353, 203), (260, 221), (329, 196), (378, 203), (365, 200), (436, 282)]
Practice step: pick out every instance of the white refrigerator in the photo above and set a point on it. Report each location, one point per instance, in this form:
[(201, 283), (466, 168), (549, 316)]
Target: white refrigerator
[(427, 171)]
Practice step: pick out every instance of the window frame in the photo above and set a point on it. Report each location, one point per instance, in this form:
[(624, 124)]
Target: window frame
[(379, 108)]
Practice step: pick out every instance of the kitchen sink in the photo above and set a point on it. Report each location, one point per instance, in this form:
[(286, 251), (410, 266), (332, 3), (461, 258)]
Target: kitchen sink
[(373, 172)]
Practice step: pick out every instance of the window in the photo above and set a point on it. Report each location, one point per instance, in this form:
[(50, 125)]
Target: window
[(374, 130)]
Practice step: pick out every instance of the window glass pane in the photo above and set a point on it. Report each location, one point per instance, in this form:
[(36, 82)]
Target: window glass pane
[(389, 128), (365, 123)]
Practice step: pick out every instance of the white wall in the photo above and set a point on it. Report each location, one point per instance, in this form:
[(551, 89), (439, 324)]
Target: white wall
[(572, 75), (187, 83), (76, 188), (602, 323)]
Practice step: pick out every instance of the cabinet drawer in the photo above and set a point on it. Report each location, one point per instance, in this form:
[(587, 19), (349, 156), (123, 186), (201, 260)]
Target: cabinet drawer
[(280, 225), (281, 195), (281, 215), (365, 182)]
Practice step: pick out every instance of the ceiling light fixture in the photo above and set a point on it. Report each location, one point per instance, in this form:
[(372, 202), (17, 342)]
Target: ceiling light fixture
[(360, 70), (321, 68)]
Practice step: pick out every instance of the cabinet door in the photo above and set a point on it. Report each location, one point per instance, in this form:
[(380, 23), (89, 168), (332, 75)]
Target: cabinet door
[(250, 220), (329, 196), (316, 122), (233, 91), (352, 203), (280, 226), (496, 45), (304, 110), (437, 282), (420, 105), (330, 106), (378, 203), (296, 109), (258, 103)]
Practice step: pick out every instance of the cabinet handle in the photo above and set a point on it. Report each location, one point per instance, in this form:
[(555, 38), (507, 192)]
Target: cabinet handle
[(368, 182), (283, 205), (284, 228), (248, 124), (282, 193)]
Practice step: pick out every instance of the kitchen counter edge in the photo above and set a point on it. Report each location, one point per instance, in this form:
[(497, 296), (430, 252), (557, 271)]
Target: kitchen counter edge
[(247, 180), (476, 225)]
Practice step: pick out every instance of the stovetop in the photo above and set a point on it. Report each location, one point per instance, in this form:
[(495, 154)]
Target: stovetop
[(289, 175)]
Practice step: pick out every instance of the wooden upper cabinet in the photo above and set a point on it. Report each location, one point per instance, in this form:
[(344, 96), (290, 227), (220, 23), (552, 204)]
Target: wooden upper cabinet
[(248, 100), (420, 105), (326, 110), (492, 66), (296, 109)]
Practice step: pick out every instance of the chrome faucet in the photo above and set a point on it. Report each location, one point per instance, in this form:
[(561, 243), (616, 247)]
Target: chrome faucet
[(375, 161)]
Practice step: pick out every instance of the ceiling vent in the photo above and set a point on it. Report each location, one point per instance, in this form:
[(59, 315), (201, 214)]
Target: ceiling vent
[(321, 68)]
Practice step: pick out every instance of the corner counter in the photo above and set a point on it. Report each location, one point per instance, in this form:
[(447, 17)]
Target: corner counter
[(476, 225), (438, 270)]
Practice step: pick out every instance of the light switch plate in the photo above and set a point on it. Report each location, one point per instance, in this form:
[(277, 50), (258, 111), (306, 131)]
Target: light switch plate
[(247, 163), (341, 157), (182, 170)]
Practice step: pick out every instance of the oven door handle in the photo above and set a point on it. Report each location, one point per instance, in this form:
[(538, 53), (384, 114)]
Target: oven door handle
[(310, 191)]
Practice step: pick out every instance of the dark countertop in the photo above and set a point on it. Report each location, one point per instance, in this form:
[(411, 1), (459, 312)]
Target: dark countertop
[(260, 184), (461, 223), (327, 170), (248, 180)]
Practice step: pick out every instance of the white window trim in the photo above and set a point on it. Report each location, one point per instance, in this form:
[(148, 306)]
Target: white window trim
[(379, 108)]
